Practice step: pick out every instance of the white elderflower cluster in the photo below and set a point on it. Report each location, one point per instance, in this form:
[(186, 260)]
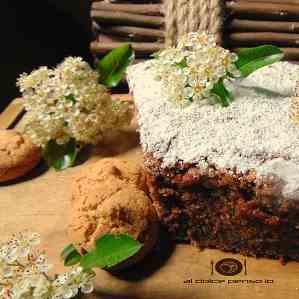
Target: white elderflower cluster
[(189, 71), (24, 273), (68, 103)]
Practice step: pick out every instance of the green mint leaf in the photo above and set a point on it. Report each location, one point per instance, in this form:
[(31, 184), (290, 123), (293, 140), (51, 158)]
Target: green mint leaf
[(91, 260), (110, 250), (251, 59), (60, 156), (182, 64), (223, 96), (70, 256), (113, 66), (70, 98)]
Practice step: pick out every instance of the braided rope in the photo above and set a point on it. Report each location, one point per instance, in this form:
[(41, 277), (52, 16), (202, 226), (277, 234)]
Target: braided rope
[(170, 22), (194, 16), (216, 19), (182, 16), (204, 15)]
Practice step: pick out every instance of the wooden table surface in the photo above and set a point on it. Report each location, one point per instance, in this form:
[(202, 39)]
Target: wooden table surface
[(41, 202)]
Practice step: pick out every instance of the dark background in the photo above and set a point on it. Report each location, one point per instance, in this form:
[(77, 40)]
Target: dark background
[(39, 32)]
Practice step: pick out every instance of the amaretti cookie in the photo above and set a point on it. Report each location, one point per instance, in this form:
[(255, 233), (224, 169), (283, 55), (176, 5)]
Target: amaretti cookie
[(107, 197), (18, 155), (99, 181)]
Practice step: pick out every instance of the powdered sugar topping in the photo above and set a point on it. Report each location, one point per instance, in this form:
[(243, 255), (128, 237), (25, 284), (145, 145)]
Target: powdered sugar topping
[(252, 131)]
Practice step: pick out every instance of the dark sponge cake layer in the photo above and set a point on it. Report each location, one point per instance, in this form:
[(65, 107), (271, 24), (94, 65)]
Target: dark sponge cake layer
[(224, 210)]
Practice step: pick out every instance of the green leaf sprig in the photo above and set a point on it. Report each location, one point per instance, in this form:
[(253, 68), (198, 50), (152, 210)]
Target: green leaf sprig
[(249, 60), (61, 156), (70, 256), (110, 250), (114, 65)]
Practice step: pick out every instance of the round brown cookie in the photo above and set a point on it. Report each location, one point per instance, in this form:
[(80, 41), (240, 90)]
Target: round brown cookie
[(127, 211), (100, 180), (107, 197), (18, 155)]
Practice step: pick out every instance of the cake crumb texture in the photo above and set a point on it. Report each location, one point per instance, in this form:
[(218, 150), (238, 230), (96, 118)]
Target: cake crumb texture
[(230, 212)]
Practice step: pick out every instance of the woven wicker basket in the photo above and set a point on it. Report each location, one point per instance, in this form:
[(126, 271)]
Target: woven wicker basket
[(141, 24), (240, 23)]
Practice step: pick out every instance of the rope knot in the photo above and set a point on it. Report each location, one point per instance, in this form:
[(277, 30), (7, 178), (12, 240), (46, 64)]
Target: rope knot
[(183, 16)]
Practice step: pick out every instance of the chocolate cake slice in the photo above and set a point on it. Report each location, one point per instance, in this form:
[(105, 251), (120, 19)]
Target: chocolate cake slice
[(225, 178)]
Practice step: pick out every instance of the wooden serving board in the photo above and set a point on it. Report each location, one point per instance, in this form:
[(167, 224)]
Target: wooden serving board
[(41, 202)]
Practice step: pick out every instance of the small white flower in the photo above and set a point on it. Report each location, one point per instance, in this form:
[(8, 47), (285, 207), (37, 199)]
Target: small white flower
[(12, 254), (42, 288), (69, 293), (188, 92), (25, 277), (61, 279), (87, 288), (41, 264), (189, 71), (7, 272), (3, 251)]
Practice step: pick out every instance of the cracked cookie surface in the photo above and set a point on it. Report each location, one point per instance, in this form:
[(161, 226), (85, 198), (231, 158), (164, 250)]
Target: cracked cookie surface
[(107, 197), (18, 155), (100, 180)]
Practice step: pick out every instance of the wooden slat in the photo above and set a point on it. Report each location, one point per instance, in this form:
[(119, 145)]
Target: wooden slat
[(269, 1), (258, 38), (124, 18), (14, 110), (134, 33), (240, 25), (143, 9), (140, 48), (279, 11)]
